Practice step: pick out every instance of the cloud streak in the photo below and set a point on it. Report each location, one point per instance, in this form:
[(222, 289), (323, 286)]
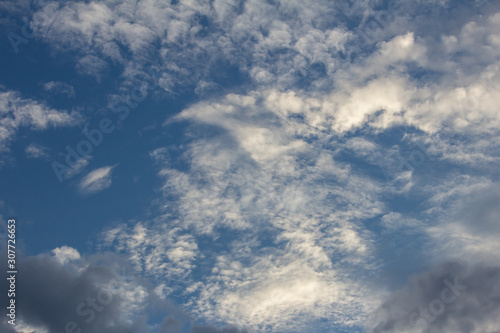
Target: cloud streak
[(17, 112), (96, 180)]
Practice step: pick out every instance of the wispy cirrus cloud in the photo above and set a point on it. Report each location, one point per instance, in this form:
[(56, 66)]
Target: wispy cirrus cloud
[(60, 88), (96, 180), (36, 151), (17, 112)]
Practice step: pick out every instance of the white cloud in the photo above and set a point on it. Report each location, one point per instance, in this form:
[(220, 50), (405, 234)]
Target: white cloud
[(36, 151), (396, 222), (17, 112), (252, 180), (271, 171), (23, 327), (60, 88), (278, 291), (277, 173), (96, 180), (162, 252), (276, 170), (65, 254), (92, 65), (77, 167), (79, 278), (466, 208)]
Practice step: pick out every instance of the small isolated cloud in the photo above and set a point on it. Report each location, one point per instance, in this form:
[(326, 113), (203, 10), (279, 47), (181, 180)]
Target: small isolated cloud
[(65, 254), (96, 180), (60, 88), (36, 151)]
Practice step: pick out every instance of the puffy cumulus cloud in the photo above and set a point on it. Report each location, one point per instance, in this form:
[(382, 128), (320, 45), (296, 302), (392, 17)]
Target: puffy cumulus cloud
[(65, 254), (475, 44), (381, 104), (96, 180), (381, 92), (452, 297), (17, 112)]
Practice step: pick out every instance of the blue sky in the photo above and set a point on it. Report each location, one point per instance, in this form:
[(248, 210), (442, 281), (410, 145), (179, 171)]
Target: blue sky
[(252, 166)]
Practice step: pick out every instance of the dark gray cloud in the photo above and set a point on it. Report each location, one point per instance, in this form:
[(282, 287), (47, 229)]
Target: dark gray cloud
[(173, 325), (481, 212), (452, 297), (49, 295), (211, 329), (66, 298)]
